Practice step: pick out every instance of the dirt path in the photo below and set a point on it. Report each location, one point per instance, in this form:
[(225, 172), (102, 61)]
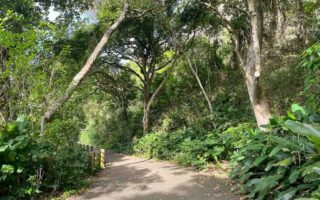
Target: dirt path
[(131, 178)]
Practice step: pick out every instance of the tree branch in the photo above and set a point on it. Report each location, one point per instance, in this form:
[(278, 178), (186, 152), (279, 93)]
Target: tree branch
[(128, 69), (48, 115)]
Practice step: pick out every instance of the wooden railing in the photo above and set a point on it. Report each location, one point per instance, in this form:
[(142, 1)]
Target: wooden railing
[(96, 158)]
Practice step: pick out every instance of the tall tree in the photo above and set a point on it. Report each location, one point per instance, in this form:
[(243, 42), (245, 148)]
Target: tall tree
[(247, 45), (253, 65), (85, 69), (24, 33), (147, 46)]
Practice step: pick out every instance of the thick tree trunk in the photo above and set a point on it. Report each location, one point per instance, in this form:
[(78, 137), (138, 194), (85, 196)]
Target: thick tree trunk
[(148, 100), (252, 65), (258, 100), (84, 71), (253, 68)]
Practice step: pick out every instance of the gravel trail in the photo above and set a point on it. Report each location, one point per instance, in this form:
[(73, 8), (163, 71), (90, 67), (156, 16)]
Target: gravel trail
[(132, 178)]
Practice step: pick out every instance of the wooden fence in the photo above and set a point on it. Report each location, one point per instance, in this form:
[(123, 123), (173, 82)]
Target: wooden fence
[(96, 158)]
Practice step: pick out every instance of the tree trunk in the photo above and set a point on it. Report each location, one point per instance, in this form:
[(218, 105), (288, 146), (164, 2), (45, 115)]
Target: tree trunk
[(146, 108), (83, 72), (124, 110), (277, 23), (148, 100), (280, 19), (301, 26), (253, 68), (202, 88), (146, 116)]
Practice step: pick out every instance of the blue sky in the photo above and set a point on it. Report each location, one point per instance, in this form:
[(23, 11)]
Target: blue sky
[(53, 14), (89, 15)]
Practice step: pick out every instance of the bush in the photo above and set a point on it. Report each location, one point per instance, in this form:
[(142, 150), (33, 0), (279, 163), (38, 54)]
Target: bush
[(191, 146), (21, 160), (282, 163), (69, 167), (69, 162), (29, 166)]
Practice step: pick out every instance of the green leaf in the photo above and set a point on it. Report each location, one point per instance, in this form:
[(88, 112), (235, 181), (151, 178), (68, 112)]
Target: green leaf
[(269, 166), (308, 130), (284, 163), (263, 185), (291, 116), (4, 148), (259, 160), (303, 129), (287, 195), (7, 169), (19, 170), (275, 151), (297, 108), (212, 142), (283, 142), (294, 175), (20, 138)]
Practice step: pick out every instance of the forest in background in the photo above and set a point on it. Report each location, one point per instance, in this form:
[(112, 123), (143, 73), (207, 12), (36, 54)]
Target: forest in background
[(192, 81)]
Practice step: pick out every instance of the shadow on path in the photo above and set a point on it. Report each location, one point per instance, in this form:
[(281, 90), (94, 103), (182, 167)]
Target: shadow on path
[(131, 178)]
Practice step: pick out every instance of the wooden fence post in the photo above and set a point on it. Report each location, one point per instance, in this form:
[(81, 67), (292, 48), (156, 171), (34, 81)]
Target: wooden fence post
[(91, 162)]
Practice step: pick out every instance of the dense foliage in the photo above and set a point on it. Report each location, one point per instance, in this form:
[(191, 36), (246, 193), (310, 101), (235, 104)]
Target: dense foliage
[(191, 147), (196, 82), (30, 166), (281, 163)]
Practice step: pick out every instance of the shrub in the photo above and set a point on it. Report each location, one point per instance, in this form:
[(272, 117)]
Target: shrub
[(159, 145), (29, 166), (69, 162), (281, 163), (69, 167), (191, 146), (21, 160)]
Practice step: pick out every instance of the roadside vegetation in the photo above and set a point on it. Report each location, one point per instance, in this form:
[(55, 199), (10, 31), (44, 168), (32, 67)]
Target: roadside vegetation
[(197, 82)]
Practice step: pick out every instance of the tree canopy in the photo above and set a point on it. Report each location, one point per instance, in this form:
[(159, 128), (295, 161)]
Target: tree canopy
[(191, 81)]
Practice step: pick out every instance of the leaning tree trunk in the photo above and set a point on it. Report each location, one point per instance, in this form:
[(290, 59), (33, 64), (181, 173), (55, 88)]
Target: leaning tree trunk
[(48, 115), (202, 90), (253, 67)]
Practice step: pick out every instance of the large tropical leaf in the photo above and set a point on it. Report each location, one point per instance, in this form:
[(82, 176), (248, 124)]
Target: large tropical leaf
[(308, 130)]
